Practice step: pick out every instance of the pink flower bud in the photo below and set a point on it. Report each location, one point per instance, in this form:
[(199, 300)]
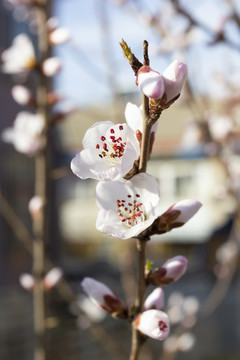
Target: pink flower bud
[(21, 95), (175, 267), (27, 281), (102, 296), (174, 78), (155, 300), (150, 82), (59, 36), (35, 206), (171, 271), (52, 278), (51, 66), (153, 323), (187, 209)]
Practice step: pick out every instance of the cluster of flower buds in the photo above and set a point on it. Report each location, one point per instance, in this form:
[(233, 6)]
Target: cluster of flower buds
[(152, 322), (50, 280)]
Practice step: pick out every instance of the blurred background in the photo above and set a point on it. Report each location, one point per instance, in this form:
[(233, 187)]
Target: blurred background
[(195, 155)]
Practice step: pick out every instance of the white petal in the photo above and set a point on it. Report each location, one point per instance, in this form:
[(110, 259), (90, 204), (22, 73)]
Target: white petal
[(96, 290), (93, 135), (154, 323), (133, 117)]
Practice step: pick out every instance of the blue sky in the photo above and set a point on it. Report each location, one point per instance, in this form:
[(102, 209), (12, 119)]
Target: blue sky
[(84, 76)]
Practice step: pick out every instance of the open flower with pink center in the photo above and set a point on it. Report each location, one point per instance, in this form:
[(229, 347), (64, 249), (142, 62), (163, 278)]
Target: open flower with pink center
[(26, 133), (20, 56), (104, 297), (153, 323), (109, 152), (127, 208)]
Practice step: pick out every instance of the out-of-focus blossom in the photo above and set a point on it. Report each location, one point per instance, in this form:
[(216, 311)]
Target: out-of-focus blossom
[(174, 78), (35, 206), (52, 278), (169, 272), (20, 56), (27, 281), (127, 208), (104, 297), (93, 312), (150, 82), (170, 344), (220, 126), (26, 133), (59, 36), (186, 341), (109, 152), (21, 94), (226, 253), (51, 66), (155, 300), (133, 115), (153, 323)]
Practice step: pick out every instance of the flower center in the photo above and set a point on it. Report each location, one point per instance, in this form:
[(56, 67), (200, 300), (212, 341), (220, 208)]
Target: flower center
[(162, 326), (131, 211), (112, 149)]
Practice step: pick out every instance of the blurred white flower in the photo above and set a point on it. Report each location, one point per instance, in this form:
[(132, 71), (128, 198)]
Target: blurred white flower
[(186, 341), (35, 206), (52, 278), (20, 56), (219, 126), (93, 312), (26, 133), (59, 36), (51, 66), (21, 94), (27, 281)]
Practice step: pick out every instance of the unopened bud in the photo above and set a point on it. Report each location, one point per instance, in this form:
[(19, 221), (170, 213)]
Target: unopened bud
[(150, 82), (171, 271), (174, 78), (153, 323), (104, 297), (155, 300), (187, 208)]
